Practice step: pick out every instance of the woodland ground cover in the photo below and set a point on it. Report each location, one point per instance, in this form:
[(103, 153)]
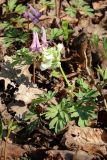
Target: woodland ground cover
[(53, 79)]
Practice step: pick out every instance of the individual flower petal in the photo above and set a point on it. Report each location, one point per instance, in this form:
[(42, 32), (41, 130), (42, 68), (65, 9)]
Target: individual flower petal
[(38, 43), (33, 45), (45, 66), (44, 40), (60, 47), (26, 14), (35, 20), (49, 57), (29, 15)]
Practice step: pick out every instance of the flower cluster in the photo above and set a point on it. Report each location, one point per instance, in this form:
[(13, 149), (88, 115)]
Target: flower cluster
[(51, 57), (32, 14), (36, 46)]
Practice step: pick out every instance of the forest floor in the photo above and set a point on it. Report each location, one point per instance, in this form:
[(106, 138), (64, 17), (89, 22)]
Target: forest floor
[(53, 80)]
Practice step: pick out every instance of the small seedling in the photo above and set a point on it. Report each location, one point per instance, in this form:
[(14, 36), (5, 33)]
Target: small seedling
[(63, 31), (55, 33), (11, 127), (66, 30), (58, 115), (13, 7), (47, 4), (77, 6), (14, 35), (105, 46), (103, 73), (95, 39), (12, 25), (22, 57), (82, 110)]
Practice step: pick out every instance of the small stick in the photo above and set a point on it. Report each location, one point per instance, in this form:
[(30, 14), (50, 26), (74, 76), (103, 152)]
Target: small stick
[(33, 71), (5, 148), (57, 8)]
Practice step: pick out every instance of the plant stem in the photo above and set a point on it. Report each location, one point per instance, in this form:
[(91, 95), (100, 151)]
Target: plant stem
[(67, 82), (5, 149), (34, 71)]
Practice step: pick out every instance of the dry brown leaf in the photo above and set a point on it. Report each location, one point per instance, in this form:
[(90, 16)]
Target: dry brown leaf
[(2, 1), (27, 94), (19, 73), (69, 19), (81, 155), (99, 4), (13, 151), (88, 139), (59, 154), (2, 106)]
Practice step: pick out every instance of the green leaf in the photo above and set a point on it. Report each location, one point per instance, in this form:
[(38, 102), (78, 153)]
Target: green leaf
[(61, 124), (75, 114), (12, 125), (82, 84), (71, 11), (11, 4), (91, 93), (72, 109), (22, 57), (49, 4), (56, 127), (20, 9), (95, 39), (55, 33), (53, 122), (52, 114), (29, 115), (85, 113), (81, 122), (80, 94), (105, 46), (55, 74), (67, 117), (88, 11), (79, 5), (61, 113)]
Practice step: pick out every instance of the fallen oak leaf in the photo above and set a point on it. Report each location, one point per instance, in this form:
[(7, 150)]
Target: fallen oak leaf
[(13, 150)]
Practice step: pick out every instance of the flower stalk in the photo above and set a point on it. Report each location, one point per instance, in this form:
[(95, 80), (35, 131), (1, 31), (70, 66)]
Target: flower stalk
[(66, 80), (34, 71)]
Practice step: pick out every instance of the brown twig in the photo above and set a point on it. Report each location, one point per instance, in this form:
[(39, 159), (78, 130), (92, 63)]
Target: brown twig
[(5, 148), (33, 71), (57, 7)]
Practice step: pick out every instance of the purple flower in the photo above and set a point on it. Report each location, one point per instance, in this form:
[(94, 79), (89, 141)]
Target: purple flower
[(36, 46), (44, 40), (28, 15), (33, 14)]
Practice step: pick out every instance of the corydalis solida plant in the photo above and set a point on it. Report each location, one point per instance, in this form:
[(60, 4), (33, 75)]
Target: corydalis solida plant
[(50, 55), (36, 46)]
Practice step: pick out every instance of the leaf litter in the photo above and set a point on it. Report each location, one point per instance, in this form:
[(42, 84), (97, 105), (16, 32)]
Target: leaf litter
[(28, 94)]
